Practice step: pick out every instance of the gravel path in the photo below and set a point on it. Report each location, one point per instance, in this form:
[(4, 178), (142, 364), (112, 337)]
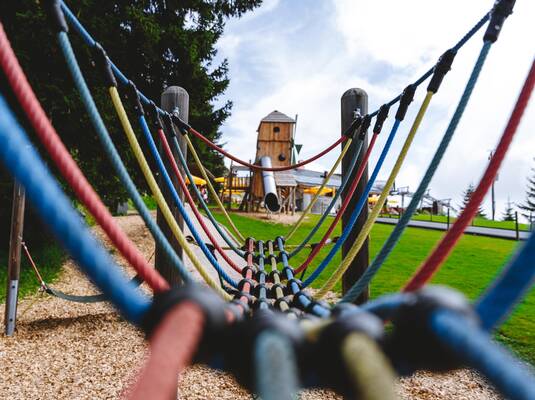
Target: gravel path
[(65, 350)]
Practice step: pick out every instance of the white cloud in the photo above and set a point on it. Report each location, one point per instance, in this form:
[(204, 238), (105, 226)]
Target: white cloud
[(300, 59)]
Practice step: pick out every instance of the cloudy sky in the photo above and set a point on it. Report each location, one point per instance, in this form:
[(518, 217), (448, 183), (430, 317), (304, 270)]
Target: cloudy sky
[(299, 57)]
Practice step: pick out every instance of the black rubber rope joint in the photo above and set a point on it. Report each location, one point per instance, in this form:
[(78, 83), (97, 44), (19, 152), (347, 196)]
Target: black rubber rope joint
[(103, 63), (364, 125), (155, 115), (382, 115), (499, 13), (352, 130), (441, 69), (406, 99), (55, 15), (133, 95), (183, 126)]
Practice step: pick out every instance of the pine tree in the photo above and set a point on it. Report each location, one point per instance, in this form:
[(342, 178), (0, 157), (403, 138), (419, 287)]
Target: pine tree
[(528, 207), (508, 214), (156, 43), (467, 194)]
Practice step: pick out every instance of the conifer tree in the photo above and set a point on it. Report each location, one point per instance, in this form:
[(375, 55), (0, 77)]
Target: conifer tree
[(467, 194), (528, 206), (509, 213)]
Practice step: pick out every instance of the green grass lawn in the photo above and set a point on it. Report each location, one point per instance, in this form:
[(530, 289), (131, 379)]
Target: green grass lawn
[(470, 268), (478, 221), (49, 261)]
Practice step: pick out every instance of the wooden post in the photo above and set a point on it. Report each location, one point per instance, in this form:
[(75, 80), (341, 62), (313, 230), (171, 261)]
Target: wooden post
[(13, 268), (230, 187), (354, 100), (174, 99)]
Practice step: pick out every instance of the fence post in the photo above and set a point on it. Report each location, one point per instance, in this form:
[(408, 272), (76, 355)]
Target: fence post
[(173, 99), (13, 268), (517, 235), (448, 226), (354, 100)]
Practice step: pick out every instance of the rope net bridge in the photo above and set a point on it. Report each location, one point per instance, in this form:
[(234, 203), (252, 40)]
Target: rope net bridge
[(265, 327)]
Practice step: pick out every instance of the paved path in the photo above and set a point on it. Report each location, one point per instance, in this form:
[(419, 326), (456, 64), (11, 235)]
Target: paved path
[(473, 230), (233, 256)]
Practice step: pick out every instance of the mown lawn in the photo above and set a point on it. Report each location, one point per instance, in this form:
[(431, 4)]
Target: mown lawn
[(48, 259), (478, 221), (470, 268)]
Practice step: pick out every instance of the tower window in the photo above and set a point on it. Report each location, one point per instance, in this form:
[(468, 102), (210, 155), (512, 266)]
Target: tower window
[(276, 129)]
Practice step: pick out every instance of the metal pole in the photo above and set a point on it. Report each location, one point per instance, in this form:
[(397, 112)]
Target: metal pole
[(493, 199), (517, 235), (174, 100), (354, 100), (448, 227), (13, 268)]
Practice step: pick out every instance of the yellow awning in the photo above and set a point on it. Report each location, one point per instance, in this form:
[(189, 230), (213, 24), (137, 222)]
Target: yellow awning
[(221, 179), (196, 180), (314, 190)]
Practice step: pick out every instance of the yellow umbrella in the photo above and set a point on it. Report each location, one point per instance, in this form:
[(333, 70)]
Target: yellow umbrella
[(373, 199), (196, 180)]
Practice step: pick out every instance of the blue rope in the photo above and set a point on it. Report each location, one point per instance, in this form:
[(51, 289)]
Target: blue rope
[(275, 367), (317, 309), (54, 207), (386, 306), (78, 27), (115, 159), (392, 240), (363, 200), (509, 288), (216, 225), (473, 345), (337, 195), (161, 167)]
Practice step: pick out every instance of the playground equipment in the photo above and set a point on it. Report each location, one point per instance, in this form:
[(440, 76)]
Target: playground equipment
[(274, 147), (266, 327), (271, 199)]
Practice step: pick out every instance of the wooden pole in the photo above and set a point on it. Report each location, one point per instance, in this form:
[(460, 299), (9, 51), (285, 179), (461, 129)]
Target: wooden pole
[(13, 268), (230, 187), (354, 100), (174, 99)]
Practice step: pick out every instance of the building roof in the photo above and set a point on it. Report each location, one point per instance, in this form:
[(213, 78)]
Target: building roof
[(277, 116), (377, 187), (285, 178), (306, 177)]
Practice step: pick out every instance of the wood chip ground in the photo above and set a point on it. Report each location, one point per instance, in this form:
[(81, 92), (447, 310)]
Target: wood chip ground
[(64, 350)]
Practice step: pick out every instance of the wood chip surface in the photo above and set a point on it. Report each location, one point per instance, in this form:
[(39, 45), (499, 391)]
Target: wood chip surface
[(64, 350)]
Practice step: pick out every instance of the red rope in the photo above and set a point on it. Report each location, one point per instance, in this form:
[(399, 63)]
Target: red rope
[(172, 346), (343, 207), (446, 245), (258, 167), (190, 200), (68, 168)]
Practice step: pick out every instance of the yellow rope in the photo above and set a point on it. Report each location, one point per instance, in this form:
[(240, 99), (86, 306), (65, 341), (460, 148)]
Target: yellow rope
[(158, 196), (361, 238), (212, 190), (372, 375), (318, 193)]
